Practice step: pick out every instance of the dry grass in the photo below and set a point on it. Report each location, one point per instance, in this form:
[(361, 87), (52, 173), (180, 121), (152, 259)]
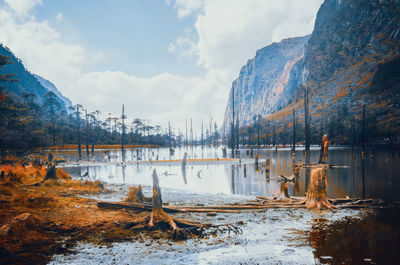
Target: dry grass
[(135, 194)]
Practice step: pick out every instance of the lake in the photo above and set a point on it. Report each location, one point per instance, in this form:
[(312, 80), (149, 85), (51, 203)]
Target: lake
[(374, 176)]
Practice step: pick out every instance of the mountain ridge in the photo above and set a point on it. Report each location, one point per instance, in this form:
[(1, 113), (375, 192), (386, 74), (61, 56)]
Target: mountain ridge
[(350, 60), (27, 82)]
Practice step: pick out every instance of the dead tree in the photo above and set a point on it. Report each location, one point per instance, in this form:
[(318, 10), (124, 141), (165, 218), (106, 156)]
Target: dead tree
[(78, 126), (87, 134), (363, 132), (294, 132), (323, 155), (123, 117), (159, 219), (306, 121), (316, 193)]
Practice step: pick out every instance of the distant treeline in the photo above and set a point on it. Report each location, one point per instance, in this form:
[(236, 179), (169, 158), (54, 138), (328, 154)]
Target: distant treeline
[(358, 126), (27, 125)]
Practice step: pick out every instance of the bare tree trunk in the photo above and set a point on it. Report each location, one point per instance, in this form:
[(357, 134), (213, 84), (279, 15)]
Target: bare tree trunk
[(323, 155), (123, 128), (87, 134), (306, 121), (78, 126), (294, 132), (233, 121), (158, 214), (363, 132), (316, 193)]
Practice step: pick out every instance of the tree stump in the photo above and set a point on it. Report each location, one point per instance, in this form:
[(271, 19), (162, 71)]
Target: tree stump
[(284, 190), (51, 172), (316, 194), (158, 214)]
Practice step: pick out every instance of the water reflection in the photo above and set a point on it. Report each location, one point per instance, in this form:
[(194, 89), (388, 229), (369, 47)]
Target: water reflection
[(374, 176), (374, 239)]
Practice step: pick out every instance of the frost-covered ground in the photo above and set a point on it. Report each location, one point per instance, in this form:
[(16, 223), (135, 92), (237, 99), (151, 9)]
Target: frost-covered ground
[(273, 236)]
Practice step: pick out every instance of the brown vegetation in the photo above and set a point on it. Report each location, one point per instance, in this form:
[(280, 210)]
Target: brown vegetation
[(34, 219), (40, 218)]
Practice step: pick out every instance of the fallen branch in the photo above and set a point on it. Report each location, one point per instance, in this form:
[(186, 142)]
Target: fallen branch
[(158, 218)]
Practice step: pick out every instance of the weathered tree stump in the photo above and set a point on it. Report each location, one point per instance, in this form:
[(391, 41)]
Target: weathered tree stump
[(159, 219), (51, 172), (284, 190), (158, 214), (316, 194)]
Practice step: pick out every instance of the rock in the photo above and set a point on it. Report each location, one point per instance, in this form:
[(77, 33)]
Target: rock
[(22, 217), (265, 84), (240, 222), (5, 230)]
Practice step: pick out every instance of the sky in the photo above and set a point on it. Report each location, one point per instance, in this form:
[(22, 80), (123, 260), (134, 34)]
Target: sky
[(166, 60)]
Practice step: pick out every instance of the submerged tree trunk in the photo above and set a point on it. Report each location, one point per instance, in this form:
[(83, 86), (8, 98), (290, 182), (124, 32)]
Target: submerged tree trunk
[(316, 193)]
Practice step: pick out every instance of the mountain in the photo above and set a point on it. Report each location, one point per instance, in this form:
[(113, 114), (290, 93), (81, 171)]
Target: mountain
[(51, 87), (267, 82), (351, 60), (27, 82)]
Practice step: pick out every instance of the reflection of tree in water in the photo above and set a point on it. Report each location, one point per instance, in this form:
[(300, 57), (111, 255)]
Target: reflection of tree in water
[(184, 168), (374, 238), (233, 178)]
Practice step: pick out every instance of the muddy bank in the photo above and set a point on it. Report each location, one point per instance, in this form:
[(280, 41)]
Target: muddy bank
[(40, 218), (38, 221)]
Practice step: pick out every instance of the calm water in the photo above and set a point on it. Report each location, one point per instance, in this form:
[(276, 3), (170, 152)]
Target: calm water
[(375, 176), (273, 236)]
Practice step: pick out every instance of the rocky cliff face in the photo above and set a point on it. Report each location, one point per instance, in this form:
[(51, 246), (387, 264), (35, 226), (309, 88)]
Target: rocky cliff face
[(27, 82), (347, 56), (352, 58), (267, 82)]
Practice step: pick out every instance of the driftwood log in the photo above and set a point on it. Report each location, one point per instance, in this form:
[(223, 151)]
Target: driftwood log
[(158, 218), (316, 198)]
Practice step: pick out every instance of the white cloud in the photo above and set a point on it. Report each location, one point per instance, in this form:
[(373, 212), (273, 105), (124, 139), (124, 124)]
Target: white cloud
[(22, 7), (159, 98), (187, 7), (41, 48), (225, 35), (59, 18), (230, 31)]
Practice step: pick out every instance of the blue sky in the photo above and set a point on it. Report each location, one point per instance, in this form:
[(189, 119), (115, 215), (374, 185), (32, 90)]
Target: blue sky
[(133, 35), (166, 60)]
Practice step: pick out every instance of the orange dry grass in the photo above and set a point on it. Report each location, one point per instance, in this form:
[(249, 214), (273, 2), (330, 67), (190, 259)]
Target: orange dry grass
[(30, 174), (57, 211), (23, 171)]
